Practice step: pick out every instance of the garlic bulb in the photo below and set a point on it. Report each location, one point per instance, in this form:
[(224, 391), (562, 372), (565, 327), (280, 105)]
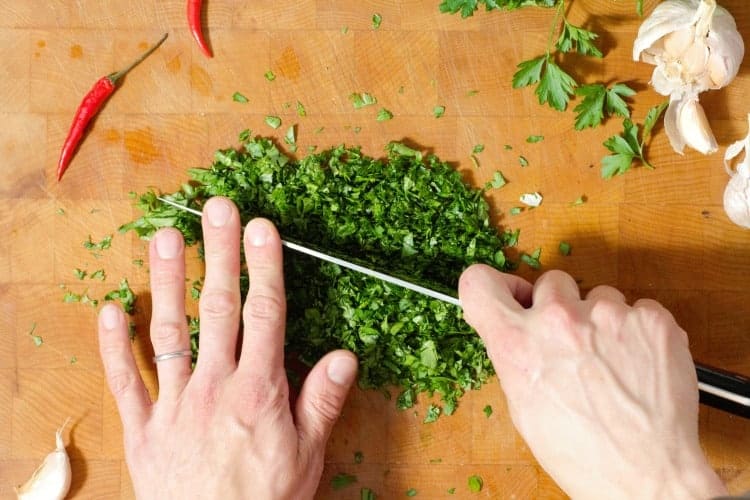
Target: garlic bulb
[(695, 46), (737, 192), (51, 480), (686, 124)]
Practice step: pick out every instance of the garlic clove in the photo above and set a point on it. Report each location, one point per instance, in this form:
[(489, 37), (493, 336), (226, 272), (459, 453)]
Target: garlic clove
[(51, 480), (679, 41), (737, 199), (669, 16), (686, 125), (737, 192)]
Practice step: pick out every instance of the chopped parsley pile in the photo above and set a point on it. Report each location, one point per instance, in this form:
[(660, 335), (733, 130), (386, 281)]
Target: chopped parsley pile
[(404, 214)]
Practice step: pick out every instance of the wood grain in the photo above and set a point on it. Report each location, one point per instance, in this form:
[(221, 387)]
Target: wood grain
[(660, 234)]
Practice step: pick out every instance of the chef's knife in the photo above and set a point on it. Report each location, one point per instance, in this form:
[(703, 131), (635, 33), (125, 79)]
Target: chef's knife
[(720, 389), (307, 249)]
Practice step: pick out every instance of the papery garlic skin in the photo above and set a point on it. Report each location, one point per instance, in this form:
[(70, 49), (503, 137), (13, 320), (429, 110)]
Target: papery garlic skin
[(686, 125), (737, 192), (694, 45), (51, 480)]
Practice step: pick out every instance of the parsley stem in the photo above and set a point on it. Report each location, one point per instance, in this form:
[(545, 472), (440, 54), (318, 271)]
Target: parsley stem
[(555, 24)]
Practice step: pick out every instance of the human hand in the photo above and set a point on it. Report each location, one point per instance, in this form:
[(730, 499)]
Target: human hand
[(226, 430), (605, 394)]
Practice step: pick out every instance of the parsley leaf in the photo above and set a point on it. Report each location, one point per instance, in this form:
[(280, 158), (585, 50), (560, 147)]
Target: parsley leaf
[(433, 413), (555, 86), (79, 273), (237, 97), (532, 139), (38, 341), (573, 38), (273, 121), (651, 118), (438, 111), (99, 274), (384, 115), (487, 411), (411, 492), (377, 19), (597, 100), (124, 294), (564, 248), (104, 244), (362, 99), (478, 148), (627, 146), (367, 494), (291, 139), (270, 76), (498, 181), (475, 483), (342, 480), (532, 260), (301, 109)]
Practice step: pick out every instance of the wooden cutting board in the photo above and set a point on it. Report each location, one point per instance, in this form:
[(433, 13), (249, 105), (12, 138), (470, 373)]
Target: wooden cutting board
[(659, 234)]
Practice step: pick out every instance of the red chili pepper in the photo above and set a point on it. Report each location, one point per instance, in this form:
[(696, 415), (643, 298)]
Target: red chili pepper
[(90, 106), (194, 9)]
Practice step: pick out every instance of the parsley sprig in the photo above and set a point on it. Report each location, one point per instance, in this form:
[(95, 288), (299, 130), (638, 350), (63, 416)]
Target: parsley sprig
[(629, 146)]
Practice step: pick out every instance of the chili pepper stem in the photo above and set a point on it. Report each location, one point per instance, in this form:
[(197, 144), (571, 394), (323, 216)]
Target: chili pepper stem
[(119, 74)]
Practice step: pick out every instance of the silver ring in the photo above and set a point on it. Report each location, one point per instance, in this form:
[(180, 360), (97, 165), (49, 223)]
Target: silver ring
[(171, 355)]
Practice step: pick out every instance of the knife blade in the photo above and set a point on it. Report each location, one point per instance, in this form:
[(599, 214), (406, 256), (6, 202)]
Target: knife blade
[(344, 262)]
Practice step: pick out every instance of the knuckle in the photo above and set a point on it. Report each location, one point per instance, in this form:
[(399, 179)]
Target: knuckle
[(260, 393), (327, 405), (169, 333), (607, 308), (557, 312), (218, 303), (265, 306), (120, 382)]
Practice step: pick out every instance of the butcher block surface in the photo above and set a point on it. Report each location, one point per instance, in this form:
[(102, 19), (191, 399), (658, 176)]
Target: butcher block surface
[(657, 233)]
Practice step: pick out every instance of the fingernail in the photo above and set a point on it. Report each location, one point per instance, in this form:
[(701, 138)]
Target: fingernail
[(257, 233), (341, 370), (110, 316), (219, 212), (168, 245)]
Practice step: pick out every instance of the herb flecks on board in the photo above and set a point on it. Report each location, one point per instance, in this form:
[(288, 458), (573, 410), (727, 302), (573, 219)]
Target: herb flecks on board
[(408, 213)]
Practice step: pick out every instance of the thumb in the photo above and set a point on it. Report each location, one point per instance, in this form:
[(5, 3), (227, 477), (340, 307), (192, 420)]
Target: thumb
[(322, 397)]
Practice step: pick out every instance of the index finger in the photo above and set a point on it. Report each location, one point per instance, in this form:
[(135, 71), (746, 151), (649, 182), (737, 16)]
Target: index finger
[(491, 298)]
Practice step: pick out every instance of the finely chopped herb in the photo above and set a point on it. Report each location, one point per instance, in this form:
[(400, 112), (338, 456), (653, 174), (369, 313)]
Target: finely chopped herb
[(367, 494), (237, 97), (38, 341), (438, 111), (125, 295), (487, 411), (408, 214), (342, 480), (475, 484)]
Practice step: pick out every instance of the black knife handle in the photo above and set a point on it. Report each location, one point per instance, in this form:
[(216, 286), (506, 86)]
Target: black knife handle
[(724, 390)]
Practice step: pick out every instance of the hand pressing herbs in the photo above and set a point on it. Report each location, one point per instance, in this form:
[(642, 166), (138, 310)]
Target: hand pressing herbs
[(404, 214)]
